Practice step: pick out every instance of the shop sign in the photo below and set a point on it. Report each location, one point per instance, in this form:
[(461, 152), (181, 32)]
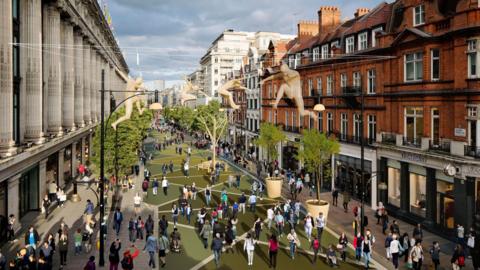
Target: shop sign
[(471, 171), (414, 157), (460, 132)]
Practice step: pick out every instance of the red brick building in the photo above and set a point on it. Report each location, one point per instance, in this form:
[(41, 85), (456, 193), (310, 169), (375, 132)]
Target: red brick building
[(416, 63)]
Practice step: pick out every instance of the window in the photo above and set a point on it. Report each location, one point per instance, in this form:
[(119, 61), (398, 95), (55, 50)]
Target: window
[(333, 45), (375, 32), (298, 57), (294, 119), (16, 71), (435, 126), (227, 49), (350, 46), (362, 41), (329, 85), (216, 71), (371, 87), (311, 91), (372, 127), (343, 126), (418, 186), (343, 80), (414, 67), (275, 117), (419, 15), (319, 86), (435, 56), (316, 54), (394, 185), (472, 55), (329, 122), (357, 79), (291, 61), (320, 121), (325, 51), (286, 119), (413, 125), (356, 127), (216, 83)]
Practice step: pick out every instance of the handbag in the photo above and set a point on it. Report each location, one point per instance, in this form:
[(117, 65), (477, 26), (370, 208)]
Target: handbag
[(471, 242), (409, 263)]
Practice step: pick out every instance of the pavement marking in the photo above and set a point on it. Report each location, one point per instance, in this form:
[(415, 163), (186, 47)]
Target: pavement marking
[(207, 208)]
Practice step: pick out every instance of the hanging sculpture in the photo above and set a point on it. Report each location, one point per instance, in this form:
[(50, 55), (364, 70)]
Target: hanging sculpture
[(291, 87), (134, 88), (223, 91), (187, 90)]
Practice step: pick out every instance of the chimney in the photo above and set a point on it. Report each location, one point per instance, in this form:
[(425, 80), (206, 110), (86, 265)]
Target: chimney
[(328, 18), (306, 29), (361, 12)]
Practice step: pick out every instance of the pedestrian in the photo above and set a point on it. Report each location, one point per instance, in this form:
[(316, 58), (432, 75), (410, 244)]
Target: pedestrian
[(252, 200), (249, 247), (188, 212), (418, 232), (435, 254), (417, 255), (238, 177), (175, 238), (346, 200), (280, 223), (241, 202), (11, 227), (379, 212), (208, 195), (308, 225), (257, 227), (331, 256), (131, 230), (151, 246), (89, 208), (388, 241), (394, 249), (46, 205), (174, 214), (63, 249), (270, 217), (194, 191), (90, 264), (406, 245), (77, 238), (128, 257), (186, 169), (458, 258), (293, 242), (394, 228), (114, 254), (32, 238), (273, 250), (217, 245), (335, 197), (61, 197), (358, 245), (117, 220), (137, 201), (460, 235), (342, 246), (205, 233), (140, 225), (165, 186), (367, 251), (320, 226), (163, 226), (315, 246), (149, 224), (47, 250), (155, 186)]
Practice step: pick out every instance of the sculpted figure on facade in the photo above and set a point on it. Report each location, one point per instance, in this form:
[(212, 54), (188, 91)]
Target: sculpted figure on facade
[(223, 91), (134, 87), (291, 87)]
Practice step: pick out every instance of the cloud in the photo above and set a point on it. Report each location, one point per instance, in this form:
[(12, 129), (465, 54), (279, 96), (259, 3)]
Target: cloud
[(171, 36)]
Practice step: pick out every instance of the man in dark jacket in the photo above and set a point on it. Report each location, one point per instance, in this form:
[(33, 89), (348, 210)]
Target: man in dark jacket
[(117, 220), (217, 244), (32, 238)]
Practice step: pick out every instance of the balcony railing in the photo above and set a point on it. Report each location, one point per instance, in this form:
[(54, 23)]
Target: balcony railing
[(441, 145), (351, 90), (352, 139), (389, 138), (472, 151), (413, 142)]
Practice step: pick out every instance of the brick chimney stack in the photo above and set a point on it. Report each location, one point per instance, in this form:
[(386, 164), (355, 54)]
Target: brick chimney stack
[(307, 29), (328, 18), (361, 12)]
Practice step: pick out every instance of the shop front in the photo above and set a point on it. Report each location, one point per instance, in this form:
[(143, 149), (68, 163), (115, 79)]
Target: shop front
[(3, 211), (68, 165), (289, 156), (29, 191), (349, 178)]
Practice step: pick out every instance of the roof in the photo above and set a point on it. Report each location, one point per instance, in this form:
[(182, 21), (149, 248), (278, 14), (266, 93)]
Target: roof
[(409, 30)]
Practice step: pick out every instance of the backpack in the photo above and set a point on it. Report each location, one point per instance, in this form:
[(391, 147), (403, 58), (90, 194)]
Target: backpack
[(316, 244), (145, 185), (126, 264), (461, 261)]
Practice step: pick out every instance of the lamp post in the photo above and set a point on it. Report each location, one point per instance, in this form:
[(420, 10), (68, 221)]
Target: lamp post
[(319, 108), (103, 123)]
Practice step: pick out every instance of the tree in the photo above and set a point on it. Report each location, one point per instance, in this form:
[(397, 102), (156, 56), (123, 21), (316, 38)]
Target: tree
[(212, 120), (270, 136), (316, 149), (123, 143)]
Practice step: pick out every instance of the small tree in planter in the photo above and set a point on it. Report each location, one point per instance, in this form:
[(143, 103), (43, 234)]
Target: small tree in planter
[(270, 136), (317, 149)]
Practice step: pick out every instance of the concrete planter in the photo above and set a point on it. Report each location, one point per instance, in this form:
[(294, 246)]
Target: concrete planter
[(313, 207), (274, 186)]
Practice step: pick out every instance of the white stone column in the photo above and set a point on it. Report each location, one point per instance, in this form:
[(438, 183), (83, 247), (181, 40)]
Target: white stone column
[(52, 68), (61, 180), (6, 80), (86, 83), (31, 69), (78, 87), (93, 85), (106, 67), (14, 198), (74, 160), (68, 55), (42, 180)]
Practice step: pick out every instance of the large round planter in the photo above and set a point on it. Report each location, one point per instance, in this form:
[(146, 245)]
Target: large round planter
[(274, 186), (313, 207)]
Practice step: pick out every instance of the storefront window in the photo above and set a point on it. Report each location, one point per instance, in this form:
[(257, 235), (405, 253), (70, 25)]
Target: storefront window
[(3, 211), (445, 204), (418, 184), (477, 197), (394, 186), (67, 164), (29, 197)]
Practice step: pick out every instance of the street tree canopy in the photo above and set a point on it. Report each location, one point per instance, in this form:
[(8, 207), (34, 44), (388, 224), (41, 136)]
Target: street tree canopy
[(270, 136)]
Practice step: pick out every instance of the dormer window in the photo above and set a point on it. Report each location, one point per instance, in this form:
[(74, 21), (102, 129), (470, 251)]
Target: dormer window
[(418, 15), (374, 35), (316, 54), (291, 61), (350, 45), (325, 51), (298, 57), (362, 41), (333, 45)]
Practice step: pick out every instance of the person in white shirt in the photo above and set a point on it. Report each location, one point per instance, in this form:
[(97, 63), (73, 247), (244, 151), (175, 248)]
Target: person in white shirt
[(137, 200), (320, 225), (249, 247), (308, 226), (395, 248), (165, 185), (185, 169), (270, 216), (253, 201)]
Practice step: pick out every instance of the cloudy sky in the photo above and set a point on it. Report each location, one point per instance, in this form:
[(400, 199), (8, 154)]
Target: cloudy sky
[(170, 36)]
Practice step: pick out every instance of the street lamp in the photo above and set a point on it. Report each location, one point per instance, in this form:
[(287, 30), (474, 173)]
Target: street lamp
[(103, 228)]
